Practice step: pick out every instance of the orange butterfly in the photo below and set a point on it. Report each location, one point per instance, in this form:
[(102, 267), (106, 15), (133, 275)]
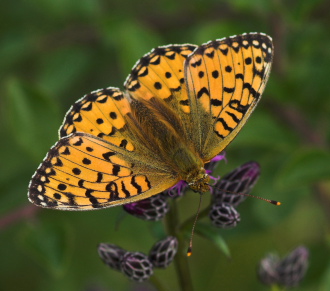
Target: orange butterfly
[(183, 104)]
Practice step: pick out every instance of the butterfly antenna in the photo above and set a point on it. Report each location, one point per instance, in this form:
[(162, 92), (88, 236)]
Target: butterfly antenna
[(274, 202), (189, 251)]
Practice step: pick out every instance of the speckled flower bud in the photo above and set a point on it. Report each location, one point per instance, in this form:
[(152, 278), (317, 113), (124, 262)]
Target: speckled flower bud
[(136, 266), (224, 215), (163, 252), (111, 255), (240, 180), (153, 208), (293, 267), (268, 270), (287, 272)]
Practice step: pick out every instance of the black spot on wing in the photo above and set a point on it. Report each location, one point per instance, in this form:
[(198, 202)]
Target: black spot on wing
[(136, 185), (197, 63), (224, 124), (202, 91), (125, 191)]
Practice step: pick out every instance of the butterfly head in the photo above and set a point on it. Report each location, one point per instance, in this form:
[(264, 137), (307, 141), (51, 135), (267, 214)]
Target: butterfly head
[(199, 181)]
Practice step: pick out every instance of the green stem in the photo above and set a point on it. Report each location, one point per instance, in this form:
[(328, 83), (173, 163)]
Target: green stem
[(154, 280), (181, 259), (277, 288), (190, 221)]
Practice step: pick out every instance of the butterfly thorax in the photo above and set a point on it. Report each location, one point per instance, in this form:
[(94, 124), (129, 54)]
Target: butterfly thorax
[(198, 180)]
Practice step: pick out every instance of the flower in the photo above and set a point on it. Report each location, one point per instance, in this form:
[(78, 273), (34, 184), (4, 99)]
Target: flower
[(240, 180), (177, 190), (136, 266), (153, 208), (287, 272), (111, 255), (224, 215), (163, 252)]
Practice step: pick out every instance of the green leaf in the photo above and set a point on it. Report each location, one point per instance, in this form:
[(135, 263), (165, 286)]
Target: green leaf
[(212, 30), (211, 233), (325, 281), (131, 41), (305, 166), (64, 67), (32, 117), (49, 244), (263, 131)]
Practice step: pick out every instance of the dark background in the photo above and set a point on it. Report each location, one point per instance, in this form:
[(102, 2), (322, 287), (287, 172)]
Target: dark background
[(52, 52)]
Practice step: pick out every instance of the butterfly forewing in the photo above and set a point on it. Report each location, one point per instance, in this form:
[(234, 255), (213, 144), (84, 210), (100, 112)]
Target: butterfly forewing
[(225, 80), (160, 73)]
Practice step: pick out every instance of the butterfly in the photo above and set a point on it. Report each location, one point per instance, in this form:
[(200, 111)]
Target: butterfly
[(182, 105)]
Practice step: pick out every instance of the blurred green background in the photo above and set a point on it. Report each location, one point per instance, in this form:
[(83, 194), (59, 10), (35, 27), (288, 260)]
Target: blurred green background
[(52, 52)]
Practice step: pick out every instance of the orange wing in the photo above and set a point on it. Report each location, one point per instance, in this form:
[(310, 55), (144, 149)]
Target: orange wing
[(225, 80), (99, 162), (83, 172)]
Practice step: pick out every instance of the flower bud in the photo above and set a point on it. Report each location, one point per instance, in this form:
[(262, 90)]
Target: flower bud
[(163, 252), (136, 266), (293, 267), (268, 270), (287, 272), (153, 208), (240, 180), (224, 215), (111, 255)]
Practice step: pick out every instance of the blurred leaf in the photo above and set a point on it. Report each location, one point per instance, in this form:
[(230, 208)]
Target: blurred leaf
[(211, 233), (32, 117), (11, 51), (297, 11), (61, 68), (304, 167), (325, 282), (62, 9), (262, 130), (157, 230), (215, 30), (49, 244), (131, 40), (254, 5)]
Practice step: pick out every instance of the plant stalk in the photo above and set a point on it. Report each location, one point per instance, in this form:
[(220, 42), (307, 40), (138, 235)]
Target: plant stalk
[(181, 258)]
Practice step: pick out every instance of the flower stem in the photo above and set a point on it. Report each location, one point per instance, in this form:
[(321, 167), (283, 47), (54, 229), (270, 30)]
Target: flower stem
[(276, 288), (154, 280), (189, 222), (181, 259)]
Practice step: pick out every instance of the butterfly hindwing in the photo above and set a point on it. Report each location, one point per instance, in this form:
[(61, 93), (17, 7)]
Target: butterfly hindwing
[(84, 172), (225, 80)]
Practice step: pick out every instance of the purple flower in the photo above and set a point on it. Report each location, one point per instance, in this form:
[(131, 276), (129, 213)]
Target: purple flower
[(136, 266), (211, 165), (287, 272), (163, 252), (153, 208), (224, 215), (177, 190), (240, 180), (111, 255)]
